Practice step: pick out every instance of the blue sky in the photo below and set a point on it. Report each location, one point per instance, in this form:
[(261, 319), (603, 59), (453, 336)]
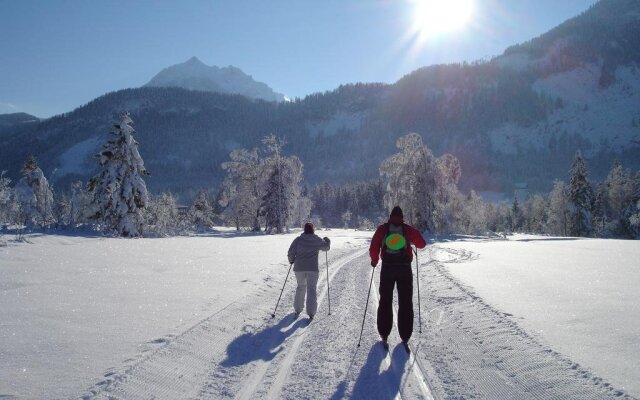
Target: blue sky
[(58, 55)]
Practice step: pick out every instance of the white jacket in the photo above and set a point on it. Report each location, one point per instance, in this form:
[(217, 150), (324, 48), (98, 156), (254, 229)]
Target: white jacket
[(303, 252)]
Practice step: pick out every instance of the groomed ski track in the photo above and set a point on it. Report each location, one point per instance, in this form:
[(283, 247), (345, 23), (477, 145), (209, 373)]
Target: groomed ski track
[(239, 352), (467, 349)]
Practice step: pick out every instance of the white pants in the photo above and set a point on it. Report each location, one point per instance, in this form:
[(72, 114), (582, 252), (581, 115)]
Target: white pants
[(307, 284)]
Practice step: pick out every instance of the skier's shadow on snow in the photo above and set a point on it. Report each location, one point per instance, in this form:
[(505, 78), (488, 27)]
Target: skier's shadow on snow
[(373, 383), (262, 345)]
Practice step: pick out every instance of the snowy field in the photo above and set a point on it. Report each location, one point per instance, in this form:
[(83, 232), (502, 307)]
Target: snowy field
[(578, 295), (189, 317), (73, 307)]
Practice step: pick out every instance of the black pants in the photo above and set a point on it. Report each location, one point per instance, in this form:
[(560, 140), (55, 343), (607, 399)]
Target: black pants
[(390, 275)]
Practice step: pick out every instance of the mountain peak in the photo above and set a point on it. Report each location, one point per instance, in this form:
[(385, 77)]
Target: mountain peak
[(194, 60), (193, 74)]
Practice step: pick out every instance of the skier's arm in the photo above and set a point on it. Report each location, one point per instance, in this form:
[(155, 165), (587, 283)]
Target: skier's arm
[(326, 244), (376, 244), (292, 251), (415, 237)]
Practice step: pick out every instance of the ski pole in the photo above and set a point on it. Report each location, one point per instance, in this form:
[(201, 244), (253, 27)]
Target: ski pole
[(418, 281), (366, 305), (285, 284), (326, 259)]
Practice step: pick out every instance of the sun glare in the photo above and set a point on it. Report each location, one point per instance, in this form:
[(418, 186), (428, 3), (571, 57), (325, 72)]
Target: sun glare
[(436, 17)]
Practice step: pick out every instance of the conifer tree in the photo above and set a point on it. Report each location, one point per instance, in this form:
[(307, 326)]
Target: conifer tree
[(35, 195), (558, 216), (201, 212), (619, 200), (80, 204), (119, 192), (282, 190), (516, 214), (580, 197), (6, 198)]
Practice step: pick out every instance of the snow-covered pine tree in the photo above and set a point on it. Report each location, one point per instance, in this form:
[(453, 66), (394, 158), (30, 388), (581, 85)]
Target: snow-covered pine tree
[(282, 189), (599, 212), (580, 197), (201, 212), (35, 195), (80, 204), (536, 213), (516, 214), (302, 211), (275, 203), (634, 219), (6, 197), (119, 192), (619, 200), (62, 210), (558, 216)]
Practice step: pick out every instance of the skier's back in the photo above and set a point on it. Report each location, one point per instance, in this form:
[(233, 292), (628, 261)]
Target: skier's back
[(303, 254), (392, 242)]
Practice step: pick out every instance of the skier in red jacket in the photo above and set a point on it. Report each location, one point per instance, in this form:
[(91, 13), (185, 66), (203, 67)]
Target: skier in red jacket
[(392, 241)]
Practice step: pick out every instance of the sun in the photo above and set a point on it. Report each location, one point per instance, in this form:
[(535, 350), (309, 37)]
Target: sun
[(437, 17)]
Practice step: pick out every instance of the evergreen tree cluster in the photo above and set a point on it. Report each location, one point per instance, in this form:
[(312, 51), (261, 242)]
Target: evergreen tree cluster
[(350, 205)]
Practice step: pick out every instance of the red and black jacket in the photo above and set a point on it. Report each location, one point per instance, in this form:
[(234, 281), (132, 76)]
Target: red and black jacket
[(411, 234)]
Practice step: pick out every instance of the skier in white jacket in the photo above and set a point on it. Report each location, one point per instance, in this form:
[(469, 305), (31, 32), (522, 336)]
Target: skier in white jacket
[(303, 254)]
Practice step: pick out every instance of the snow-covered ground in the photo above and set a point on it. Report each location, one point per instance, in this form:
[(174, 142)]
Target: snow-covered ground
[(189, 317), (73, 307), (578, 295)]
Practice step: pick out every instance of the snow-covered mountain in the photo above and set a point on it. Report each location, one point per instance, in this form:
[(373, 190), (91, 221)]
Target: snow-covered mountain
[(195, 75)]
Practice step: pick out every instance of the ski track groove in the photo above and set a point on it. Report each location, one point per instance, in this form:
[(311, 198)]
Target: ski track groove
[(284, 366), (414, 366), (180, 365), (383, 375), (474, 350)]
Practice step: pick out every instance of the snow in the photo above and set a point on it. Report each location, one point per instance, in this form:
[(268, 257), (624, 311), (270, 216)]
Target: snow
[(73, 307), (195, 75), (75, 159), (189, 317), (578, 295), (603, 116), (580, 85)]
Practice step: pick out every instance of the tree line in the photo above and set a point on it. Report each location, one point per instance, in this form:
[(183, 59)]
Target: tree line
[(264, 190)]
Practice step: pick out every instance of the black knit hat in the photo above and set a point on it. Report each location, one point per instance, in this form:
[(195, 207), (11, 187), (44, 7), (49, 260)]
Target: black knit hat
[(397, 212), (308, 227)]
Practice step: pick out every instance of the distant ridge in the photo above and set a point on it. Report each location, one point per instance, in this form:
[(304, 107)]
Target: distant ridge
[(196, 75), (10, 121)]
